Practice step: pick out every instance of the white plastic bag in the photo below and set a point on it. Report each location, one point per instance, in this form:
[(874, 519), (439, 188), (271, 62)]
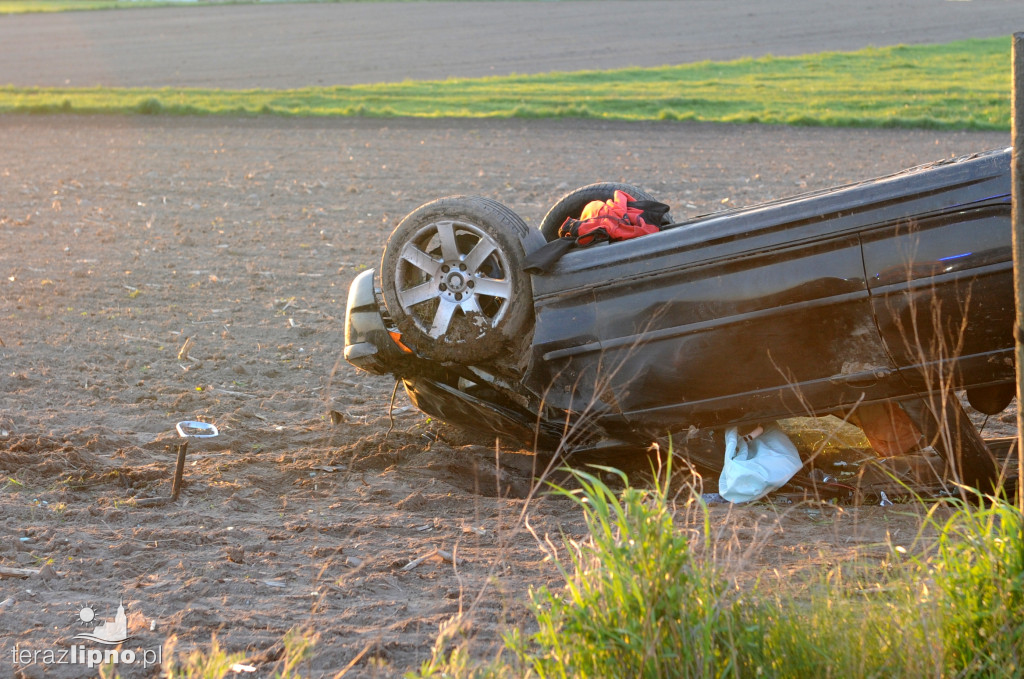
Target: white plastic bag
[(757, 467)]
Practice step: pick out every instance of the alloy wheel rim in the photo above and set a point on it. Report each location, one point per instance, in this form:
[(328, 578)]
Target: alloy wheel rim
[(450, 269)]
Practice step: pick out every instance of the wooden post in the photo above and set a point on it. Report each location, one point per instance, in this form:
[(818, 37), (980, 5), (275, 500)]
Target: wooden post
[(1017, 169)]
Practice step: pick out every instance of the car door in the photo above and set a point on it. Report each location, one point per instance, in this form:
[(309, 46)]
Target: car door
[(755, 335), (942, 294), (744, 316)]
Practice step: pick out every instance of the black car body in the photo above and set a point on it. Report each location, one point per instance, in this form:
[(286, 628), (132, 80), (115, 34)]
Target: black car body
[(894, 288)]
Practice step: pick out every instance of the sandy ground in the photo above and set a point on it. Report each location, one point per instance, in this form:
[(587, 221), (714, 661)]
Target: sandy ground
[(122, 238), (287, 45)]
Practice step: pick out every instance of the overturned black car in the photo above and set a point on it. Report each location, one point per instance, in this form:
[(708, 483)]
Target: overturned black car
[(893, 290)]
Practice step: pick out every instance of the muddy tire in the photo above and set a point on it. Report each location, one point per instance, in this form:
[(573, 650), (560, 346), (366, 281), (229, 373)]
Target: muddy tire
[(572, 204), (453, 281)]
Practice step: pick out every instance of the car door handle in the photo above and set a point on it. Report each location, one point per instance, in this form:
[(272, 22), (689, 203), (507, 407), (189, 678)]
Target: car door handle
[(861, 379)]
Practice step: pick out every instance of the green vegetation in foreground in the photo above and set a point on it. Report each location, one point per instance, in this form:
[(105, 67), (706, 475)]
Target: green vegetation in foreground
[(644, 596), (649, 594), (959, 85), (218, 663)]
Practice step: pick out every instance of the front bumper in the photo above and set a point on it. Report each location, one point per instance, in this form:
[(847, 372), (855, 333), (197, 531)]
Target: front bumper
[(369, 344)]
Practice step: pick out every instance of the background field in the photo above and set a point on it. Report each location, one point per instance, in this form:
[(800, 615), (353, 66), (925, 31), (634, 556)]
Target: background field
[(288, 46), (960, 85)]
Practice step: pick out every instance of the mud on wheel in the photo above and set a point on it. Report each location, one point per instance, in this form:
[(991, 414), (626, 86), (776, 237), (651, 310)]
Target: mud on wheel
[(453, 280)]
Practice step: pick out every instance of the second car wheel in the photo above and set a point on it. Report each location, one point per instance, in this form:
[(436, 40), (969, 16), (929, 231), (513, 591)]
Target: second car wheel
[(453, 281), (572, 204)]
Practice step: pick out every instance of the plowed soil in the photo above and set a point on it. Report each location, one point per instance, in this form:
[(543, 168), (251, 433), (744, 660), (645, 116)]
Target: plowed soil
[(122, 240), (285, 45)]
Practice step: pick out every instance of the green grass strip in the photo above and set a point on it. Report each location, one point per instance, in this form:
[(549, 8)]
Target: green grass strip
[(959, 85)]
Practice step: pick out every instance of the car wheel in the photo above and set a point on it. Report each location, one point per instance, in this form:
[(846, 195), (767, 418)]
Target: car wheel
[(947, 427), (993, 399), (572, 204), (453, 281)]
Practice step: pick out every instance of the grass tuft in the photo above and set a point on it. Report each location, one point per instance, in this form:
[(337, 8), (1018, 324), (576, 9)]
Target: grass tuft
[(636, 601), (150, 106), (217, 663), (979, 575)]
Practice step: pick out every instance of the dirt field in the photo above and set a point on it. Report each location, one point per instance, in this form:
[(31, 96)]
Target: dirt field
[(284, 45), (123, 238)]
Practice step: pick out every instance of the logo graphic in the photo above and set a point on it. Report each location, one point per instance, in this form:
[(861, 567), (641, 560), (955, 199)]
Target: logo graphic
[(111, 632)]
